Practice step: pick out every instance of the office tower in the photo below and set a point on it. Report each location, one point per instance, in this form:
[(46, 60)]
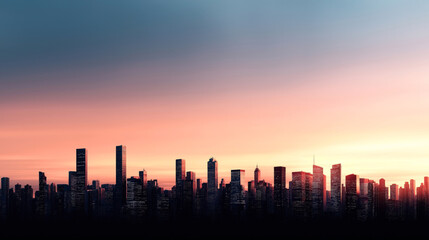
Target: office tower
[(121, 178), (318, 191), (27, 200), (336, 189), (81, 178), (394, 192), (143, 178), (237, 196), (363, 201), (212, 185), (180, 171), (301, 195), (257, 175), (380, 207), (413, 196), (280, 189), (4, 203), (180, 179), (352, 196), (73, 188), (189, 192), (107, 200), (42, 197), (135, 201)]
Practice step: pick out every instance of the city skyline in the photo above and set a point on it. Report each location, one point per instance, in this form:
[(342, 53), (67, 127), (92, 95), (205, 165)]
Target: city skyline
[(180, 173)]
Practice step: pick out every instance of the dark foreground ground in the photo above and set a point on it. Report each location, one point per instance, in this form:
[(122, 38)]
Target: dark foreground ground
[(204, 228)]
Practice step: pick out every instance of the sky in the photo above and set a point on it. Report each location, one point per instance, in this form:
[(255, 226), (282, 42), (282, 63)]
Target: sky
[(267, 83)]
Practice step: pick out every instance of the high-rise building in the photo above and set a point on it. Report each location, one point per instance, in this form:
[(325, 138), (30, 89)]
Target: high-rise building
[(42, 196), (394, 192), (4, 203), (301, 195), (143, 178), (380, 206), (81, 178), (257, 175), (280, 189), (135, 201), (352, 196), (189, 192), (212, 185), (336, 189), (237, 199), (180, 180), (363, 211), (121, 178), (318, 191)]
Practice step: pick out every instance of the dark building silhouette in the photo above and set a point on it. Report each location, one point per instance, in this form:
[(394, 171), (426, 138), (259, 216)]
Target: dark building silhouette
[(121, 179), (302, 195), (237, 196), (280, 197), (352, 196), (336, 193), (212, 185), (4, 203), (81, 180), (318, 192)]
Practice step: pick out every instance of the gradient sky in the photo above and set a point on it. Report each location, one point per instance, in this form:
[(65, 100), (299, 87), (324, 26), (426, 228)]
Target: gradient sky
[(247, 82)]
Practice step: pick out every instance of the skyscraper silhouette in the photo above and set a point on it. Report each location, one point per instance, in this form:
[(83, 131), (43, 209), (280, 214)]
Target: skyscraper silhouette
[(212, 185), (336, 190), (352, 196), (280, 189), (121, 178), (238, 200), (81, 178), (318, 191)]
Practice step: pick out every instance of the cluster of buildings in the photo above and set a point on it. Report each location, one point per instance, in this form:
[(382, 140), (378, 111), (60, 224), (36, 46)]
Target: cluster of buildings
[(305, 198)]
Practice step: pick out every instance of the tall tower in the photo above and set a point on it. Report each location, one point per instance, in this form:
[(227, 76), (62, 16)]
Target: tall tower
[(238, 200), (180, 180), (143, 178), (81, 178), (212, 185), (257, 175), (318, 191), (301, 195), (336, 189), (279, 189), (121, 176), (4, 203), (352, 196)]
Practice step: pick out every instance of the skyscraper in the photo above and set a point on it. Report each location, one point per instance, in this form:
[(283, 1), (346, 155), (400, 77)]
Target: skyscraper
[(143, 178), (42, 198), (180, 179), (135, 201), (212, 185), (336, 189), (394, 192), (189, 192), (318, 191), (4, 203), (301, 195), (352, 196), (279, 189), (81, 178), (238, 200), (121, 177), (257, 175)]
